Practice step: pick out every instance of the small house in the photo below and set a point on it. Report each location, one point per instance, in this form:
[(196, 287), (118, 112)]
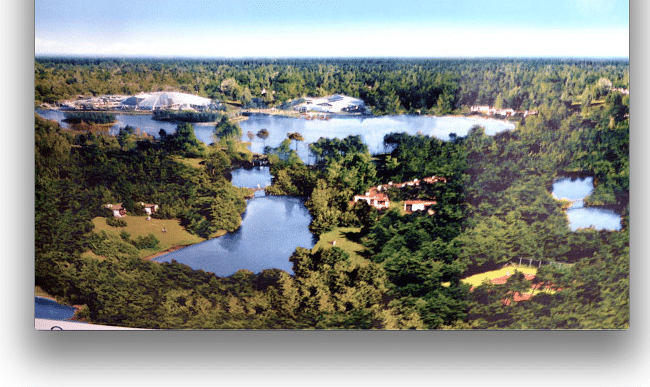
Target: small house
[(150, 209), (118, 210), (374, 198), (417, 205)]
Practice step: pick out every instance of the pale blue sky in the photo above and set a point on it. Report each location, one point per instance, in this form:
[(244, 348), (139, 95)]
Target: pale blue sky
[(403, 28)]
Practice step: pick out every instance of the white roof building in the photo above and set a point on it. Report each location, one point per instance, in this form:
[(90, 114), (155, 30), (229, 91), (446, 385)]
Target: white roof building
[(165, 100), (333, 104)]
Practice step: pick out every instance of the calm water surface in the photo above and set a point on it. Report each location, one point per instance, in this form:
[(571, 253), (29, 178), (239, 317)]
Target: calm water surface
[(371, 129), (142, 121), (49, 309), (580, 216), (272, 227), (251, 178)]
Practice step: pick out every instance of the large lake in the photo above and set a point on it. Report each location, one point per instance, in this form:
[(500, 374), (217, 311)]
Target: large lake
[(271, 229), (580, 216), (371, 129)]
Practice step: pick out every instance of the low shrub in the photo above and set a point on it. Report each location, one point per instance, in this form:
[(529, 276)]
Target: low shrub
[(125, 236), (112, 246), (145, 242), (116, 222)]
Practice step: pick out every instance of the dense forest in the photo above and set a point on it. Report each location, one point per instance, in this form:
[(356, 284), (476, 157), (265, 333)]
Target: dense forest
[(390, 86), (495, 207)]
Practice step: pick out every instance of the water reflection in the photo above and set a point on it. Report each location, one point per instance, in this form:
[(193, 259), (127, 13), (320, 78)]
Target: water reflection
[(574, 190), (598, 218), (371, 129), (231, 241), (256, 177), (271, 229)]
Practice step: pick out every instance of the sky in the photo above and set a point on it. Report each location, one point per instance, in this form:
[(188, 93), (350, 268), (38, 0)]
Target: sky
[(352, 28)]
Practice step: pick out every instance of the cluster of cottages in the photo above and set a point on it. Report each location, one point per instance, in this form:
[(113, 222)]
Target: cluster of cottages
[(376, 197), (119, 211), (490, 111)]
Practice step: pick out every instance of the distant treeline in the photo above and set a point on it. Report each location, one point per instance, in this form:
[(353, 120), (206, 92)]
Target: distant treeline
[(388, 86), (186, 116)]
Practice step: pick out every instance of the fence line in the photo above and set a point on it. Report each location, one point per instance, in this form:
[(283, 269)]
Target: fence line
[(539, 263)]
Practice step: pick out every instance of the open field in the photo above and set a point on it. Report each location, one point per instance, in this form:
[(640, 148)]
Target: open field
[(477, 279), (346, 239), (501, 275), (176, 235), (190, 162), (38, 292)]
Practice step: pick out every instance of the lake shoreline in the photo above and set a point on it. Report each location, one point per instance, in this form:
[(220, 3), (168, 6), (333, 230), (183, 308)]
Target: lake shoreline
[(77, 307), (289, 114), (169, 250)]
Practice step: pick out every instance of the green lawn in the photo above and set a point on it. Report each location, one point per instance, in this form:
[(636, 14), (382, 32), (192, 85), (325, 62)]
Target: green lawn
[(399, 205), (38, 292), (347, 239), (140, 226), (190, 162), (477, 279)]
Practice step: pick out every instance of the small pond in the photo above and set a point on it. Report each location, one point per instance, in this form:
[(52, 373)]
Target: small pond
[(271, 229), (580, 216), (50, 309)]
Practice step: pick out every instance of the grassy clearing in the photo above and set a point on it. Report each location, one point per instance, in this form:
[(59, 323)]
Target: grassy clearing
[(477, 279), (194, 163), (91, 255), (176, 234), (38, 292), (347, 238), (399, 205)]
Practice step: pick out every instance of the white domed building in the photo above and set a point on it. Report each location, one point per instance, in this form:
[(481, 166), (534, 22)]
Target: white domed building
[(166, 100)]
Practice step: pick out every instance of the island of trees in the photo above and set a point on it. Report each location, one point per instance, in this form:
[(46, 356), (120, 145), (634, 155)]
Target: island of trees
[(411, 268)]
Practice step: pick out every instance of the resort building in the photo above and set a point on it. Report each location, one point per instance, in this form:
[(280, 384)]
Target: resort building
[(166, 101), (333, 104)]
